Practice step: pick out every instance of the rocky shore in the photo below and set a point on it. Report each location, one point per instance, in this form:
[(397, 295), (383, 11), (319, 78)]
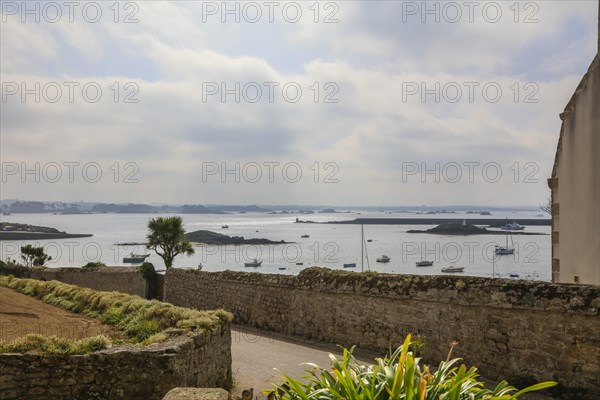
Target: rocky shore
[(213, 238), (14, 231), (463, 230)]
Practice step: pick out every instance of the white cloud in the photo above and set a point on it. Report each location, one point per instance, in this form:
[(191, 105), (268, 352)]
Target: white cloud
[(373, 128)]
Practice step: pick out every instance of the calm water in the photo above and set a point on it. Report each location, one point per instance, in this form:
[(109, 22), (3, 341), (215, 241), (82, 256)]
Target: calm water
[(328, 245)]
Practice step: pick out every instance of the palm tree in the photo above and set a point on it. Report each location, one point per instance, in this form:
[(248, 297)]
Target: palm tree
[(166, 236)]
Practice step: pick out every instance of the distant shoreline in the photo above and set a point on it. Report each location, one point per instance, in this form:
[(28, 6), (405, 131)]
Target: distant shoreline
[(493, 222), (16, 231), (19, 235), (479, 233)]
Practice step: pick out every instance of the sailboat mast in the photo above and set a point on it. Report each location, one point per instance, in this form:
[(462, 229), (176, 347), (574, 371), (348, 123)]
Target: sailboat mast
[(362, 247)]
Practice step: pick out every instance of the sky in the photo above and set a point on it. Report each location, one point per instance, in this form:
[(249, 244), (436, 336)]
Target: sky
[(308, 102)]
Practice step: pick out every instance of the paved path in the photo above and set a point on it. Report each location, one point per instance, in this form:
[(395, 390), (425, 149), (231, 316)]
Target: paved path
[(255, 355)]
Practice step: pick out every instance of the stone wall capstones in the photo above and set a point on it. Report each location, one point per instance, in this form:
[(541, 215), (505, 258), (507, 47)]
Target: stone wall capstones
[(196, 394), (521, 331)]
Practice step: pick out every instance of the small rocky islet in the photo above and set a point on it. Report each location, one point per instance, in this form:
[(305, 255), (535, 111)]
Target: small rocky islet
[(214, 238)]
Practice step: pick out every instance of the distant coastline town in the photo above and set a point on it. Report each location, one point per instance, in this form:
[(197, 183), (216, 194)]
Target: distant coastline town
[(48, 207)]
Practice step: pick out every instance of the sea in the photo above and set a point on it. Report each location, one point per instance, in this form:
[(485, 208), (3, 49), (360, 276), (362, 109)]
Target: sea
[(328, 245)]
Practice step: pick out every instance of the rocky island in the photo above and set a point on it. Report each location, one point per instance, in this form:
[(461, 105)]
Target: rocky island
[(213, 238), (14, 231), (464, 230)]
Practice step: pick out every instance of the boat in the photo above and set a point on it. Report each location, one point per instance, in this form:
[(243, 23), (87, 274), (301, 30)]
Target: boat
[(512, 227), (424, 263), (304, 236), (383, 259), (282, 268), (369, 240), (362, 255), (135, 258), (363, 250), (5, 213), (225, 226), (299, 263), (505, 250), (253, 264), (513, 275), (453, 269)]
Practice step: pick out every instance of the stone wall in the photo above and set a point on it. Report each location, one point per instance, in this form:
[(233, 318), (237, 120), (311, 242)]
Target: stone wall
[(516, 330), (198, 359), (120, 279)]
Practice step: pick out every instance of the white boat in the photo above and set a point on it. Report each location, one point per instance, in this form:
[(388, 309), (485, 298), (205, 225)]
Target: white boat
[(383, 259), (512, 227), (135, 258), (424, 263), (505, 250), (253, 264), (453, 269)]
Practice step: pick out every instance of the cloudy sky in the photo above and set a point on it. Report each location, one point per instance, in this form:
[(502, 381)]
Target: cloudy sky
[(341, 102)]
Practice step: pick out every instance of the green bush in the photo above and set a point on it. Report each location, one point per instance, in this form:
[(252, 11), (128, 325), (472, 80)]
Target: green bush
[(94, 265), (55, 345), (142, 329), (148, 271), (393, 378), (11, 267)]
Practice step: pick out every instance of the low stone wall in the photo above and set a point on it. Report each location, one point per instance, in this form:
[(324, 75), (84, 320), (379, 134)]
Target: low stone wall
[(120, 279), (516, 330), (198, 359)]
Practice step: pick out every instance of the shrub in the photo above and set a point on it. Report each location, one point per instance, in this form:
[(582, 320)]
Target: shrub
[(94, 265), (147, 270), (396, 377), (142, 329), (55, 345), (11, 267)]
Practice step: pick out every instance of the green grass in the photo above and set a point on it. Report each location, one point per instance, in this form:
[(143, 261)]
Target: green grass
[(55, 345), (142, 321), (397, 377)]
